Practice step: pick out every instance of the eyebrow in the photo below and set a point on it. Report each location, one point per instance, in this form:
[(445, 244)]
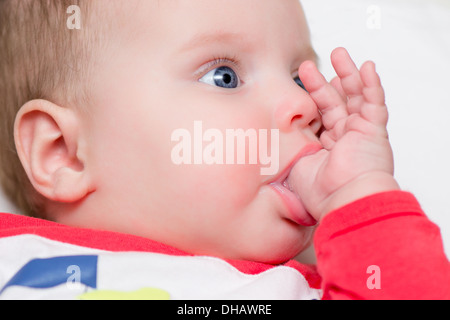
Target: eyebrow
[(203, 39)]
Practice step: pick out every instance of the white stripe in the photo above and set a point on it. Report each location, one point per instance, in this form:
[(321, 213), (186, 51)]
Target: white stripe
[(183, 277)]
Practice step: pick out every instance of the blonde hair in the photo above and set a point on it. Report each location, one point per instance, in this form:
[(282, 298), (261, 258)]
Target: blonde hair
[(40, 58)]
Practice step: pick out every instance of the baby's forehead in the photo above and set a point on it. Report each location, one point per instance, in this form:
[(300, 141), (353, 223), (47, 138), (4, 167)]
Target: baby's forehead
[(170, 19)]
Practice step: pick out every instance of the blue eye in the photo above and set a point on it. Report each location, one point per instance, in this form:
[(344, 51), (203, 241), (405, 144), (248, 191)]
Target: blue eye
[(223, 77), (300, 83)]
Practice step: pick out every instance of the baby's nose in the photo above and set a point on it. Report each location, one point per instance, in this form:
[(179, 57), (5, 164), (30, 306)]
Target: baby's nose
[(296, 111)]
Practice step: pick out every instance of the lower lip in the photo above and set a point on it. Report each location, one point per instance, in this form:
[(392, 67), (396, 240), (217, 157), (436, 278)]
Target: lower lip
[(297, 211)]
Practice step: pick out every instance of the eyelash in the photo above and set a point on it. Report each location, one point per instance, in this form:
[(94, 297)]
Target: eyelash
[(229, 61)]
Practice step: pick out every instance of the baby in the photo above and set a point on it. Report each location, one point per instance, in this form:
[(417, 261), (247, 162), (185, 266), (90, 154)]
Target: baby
[(141, 121)]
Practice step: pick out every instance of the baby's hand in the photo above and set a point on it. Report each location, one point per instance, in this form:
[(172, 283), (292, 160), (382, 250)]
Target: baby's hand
[(357, 159)]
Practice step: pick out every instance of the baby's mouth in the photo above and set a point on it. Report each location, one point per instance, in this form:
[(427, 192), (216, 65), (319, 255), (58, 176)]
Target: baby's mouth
[(287, 186), (296, 210)]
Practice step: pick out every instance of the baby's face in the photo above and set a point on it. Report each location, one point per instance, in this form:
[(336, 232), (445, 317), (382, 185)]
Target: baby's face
[(178, 81)]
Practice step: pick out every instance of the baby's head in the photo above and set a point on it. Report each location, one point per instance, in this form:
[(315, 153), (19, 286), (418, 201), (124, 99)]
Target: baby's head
[(137, 122)]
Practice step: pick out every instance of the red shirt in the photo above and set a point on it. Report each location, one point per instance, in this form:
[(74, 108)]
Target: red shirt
[(379, 247)]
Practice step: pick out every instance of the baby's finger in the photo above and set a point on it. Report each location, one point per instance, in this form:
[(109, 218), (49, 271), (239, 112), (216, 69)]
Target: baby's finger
[(328, 100), (350, 78), (336, 83), (374, 109), (373, 90)]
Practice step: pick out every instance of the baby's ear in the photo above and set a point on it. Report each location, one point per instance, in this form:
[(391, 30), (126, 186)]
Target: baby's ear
[(48, 141)]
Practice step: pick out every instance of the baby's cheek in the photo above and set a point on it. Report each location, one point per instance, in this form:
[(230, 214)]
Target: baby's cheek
[(235, 184)]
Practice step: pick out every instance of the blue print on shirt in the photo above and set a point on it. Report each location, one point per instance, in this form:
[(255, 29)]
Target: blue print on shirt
[(51, 272)]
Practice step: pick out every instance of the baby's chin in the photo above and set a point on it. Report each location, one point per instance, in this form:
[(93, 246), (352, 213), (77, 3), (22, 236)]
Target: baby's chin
[(276, 253)]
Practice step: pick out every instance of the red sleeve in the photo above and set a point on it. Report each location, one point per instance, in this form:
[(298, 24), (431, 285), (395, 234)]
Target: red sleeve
[(382, 247)]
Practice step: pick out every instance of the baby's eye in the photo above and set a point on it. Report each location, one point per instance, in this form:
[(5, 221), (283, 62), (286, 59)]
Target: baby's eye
[(223, 77), (299, 82)]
